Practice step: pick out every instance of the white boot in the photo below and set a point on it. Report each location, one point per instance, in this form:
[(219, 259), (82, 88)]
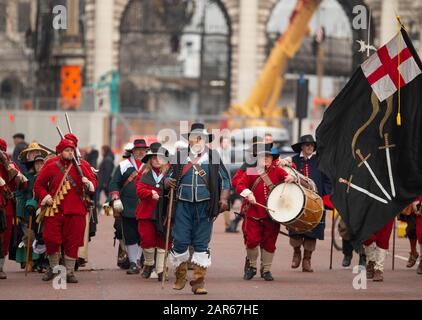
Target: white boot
[(148, 263), (370, 252), (159, 263), (379, 264)]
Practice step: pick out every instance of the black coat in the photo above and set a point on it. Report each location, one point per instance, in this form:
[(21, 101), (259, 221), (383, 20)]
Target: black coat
[(323, 185), (106, 171)]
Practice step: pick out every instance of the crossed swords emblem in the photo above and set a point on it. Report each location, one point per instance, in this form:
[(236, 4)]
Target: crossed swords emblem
[(364, 161)]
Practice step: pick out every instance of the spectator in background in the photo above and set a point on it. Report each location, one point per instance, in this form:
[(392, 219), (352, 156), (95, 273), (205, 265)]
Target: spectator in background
[(92, 156), (268, 138), (20, 145), (225, 156), (105, 170)]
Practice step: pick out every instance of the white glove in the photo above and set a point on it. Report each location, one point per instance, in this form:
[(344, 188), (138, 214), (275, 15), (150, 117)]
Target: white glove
[(251, 198), (118, 205), (2, 182)]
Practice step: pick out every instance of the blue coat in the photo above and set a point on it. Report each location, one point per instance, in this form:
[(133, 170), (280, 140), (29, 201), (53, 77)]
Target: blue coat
[(127, 194), (323, 185)]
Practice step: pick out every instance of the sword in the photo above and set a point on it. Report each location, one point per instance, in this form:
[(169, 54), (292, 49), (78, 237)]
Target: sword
[(351, 185), (78, 153), (365, 162), (387, 148)]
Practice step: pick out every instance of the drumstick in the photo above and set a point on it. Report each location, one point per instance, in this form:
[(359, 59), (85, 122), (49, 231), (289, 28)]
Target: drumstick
[(261, 205)]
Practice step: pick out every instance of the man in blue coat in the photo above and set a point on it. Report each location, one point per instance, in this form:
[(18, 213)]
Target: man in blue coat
[(306, 163), (202, 189)]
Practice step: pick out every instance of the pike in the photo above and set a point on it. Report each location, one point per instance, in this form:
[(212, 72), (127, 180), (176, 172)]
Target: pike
[(365, 162), (387, 148), (351, 185), (78, 153)]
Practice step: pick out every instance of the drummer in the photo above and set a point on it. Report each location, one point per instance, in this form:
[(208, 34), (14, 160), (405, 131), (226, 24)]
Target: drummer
[(259, 231), (306, 163)]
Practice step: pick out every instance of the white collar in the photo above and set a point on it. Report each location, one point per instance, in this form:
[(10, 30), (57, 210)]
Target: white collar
[(303, 156), (203, 158)]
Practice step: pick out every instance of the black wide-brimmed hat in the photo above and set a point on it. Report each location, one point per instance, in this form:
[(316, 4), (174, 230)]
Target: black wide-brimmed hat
[(267, 148), (257, 144), (297, 147), (199, 128), (140, 143), (156, 149)]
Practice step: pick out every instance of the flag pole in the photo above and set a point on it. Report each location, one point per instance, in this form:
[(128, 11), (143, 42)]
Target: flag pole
[(333, 212), (394, 244)]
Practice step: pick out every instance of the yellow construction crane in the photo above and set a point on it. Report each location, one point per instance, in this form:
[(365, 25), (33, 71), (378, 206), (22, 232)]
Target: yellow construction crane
[(262, 102)]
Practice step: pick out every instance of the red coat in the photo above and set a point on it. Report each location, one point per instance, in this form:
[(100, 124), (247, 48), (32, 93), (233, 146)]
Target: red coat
[(12, 186), (246, 181), (49, 180), (146, 206), (85, 163)]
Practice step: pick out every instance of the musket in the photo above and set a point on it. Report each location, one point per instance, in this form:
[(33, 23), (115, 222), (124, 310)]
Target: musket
[(78, 153), (170, 209), (47, 148)]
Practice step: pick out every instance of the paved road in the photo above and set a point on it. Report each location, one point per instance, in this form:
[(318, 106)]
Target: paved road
[(101, 279)]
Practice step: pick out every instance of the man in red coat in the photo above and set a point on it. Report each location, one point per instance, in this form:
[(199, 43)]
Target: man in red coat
[(258, 229), (66, 227), (11, 179)]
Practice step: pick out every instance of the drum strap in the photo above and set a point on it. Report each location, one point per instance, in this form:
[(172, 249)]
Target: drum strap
[(267, 181)]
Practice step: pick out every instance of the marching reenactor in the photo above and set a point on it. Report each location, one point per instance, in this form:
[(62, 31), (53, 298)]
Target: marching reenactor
[(27, 205), (11, 179), (151, 211), (202, 189), (125, 201), (62, 191), (259, 230), (306, 164), (376, 248)]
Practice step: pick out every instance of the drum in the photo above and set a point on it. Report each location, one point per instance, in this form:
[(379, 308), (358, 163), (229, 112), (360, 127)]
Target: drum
[(298, 208), (303, 181)]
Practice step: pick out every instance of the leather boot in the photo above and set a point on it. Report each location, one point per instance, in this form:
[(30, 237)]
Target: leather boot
[(3, 275), (181, 273), (306, 263), (148, 263), (54, 260), (413, 258), (370, 270), (297, 258), (198, 282), (70, 268)]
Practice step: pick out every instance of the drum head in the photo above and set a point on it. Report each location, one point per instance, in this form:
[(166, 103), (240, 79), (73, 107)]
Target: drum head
[(287, 200)]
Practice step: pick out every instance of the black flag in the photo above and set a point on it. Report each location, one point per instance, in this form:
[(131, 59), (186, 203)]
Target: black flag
[(375, 164)]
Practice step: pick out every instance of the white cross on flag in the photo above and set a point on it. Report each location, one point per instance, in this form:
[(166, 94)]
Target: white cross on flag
[(381, 68)]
